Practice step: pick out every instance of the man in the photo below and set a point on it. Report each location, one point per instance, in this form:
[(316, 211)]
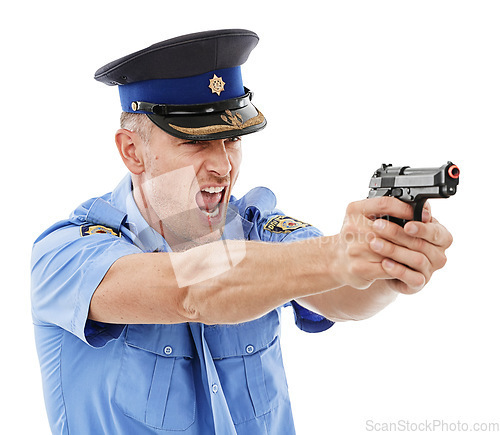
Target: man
[(156, 306)]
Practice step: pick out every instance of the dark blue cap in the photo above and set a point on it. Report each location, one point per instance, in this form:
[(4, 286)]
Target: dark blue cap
[(190, 86)]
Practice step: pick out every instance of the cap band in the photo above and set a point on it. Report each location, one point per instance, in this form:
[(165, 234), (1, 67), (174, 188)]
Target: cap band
[(184, 91), (193, 109)]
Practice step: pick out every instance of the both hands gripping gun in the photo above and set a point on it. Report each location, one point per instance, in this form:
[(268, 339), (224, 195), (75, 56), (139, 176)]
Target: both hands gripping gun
[(414, 185)]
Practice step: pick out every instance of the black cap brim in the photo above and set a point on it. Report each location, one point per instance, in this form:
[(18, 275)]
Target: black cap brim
[(212, 126)]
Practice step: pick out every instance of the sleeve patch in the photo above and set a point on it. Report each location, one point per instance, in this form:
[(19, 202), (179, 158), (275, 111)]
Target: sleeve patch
[(88, 230), (284, 224)]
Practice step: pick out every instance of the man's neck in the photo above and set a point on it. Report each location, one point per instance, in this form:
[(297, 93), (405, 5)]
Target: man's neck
[(176, 243)]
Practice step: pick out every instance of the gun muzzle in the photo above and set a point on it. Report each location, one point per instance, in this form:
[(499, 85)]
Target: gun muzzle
[(454, 172)]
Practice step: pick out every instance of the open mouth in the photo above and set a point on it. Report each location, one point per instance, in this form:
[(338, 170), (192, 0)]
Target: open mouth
[(209, 199)]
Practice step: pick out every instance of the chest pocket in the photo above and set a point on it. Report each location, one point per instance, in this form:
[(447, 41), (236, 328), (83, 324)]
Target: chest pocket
[(155, 385), (250, 367)]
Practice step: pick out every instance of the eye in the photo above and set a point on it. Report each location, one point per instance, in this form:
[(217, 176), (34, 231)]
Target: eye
[(233, 140)]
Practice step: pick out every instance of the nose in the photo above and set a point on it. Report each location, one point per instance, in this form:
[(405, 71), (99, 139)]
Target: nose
[(217, 160)]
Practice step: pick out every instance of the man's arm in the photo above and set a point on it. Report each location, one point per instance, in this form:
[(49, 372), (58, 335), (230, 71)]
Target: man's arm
[(145, 288)]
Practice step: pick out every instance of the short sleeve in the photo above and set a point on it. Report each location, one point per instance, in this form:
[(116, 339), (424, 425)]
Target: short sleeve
[(306, 320), (309, 321), (66, 269)]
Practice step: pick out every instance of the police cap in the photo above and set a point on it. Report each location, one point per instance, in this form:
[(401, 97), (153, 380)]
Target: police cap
[(190, 86)]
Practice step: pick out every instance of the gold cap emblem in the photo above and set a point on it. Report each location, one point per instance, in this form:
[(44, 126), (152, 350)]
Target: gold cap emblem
[(235, 120), (216, 84)]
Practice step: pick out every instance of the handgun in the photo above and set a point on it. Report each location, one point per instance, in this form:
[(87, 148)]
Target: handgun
[(414, 185)]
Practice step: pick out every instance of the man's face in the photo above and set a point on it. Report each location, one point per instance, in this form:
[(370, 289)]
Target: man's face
[(187, 185)]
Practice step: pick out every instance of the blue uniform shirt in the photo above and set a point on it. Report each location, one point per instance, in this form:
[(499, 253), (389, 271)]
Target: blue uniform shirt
[(154, 379)]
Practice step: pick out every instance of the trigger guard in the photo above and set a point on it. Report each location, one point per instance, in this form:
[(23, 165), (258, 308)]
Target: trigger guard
[(417, 211)]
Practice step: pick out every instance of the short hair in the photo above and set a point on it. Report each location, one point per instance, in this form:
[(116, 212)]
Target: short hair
[(137, 122)]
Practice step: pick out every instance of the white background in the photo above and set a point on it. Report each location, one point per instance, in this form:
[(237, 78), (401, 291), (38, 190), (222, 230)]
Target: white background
[(344, 89)]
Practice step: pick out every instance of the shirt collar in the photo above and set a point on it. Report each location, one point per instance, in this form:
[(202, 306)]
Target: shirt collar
[(146, 238), (237, 227)]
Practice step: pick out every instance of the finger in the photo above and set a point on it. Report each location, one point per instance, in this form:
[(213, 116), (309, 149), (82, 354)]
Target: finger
[(383, 206), (433, 232), (413, 281), (394, 233), (426, 212), (400, 287), (362, 270), (391, 231), (367, 273), (412, 259)]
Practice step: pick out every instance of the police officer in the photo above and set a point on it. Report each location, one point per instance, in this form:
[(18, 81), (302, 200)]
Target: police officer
[(157, 306)]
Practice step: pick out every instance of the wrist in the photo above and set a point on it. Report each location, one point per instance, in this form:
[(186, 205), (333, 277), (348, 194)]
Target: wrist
[(330, 256)]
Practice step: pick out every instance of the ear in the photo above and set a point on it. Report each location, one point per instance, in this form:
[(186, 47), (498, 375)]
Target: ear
[(131, 149)]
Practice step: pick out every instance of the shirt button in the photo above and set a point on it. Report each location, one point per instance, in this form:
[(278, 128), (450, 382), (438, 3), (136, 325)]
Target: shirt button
[(215, 388), (250, 348), (167, 350)]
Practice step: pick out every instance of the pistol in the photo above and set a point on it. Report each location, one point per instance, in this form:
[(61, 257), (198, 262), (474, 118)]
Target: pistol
[(414, 185)]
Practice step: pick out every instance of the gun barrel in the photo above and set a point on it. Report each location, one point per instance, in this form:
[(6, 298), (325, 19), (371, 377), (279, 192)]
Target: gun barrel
[(389, 176)]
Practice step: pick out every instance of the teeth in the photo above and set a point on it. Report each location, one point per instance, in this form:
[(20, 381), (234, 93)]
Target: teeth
[(213, 189), (215, 213)]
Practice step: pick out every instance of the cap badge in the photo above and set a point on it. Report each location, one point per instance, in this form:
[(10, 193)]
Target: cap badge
[(216, 84)]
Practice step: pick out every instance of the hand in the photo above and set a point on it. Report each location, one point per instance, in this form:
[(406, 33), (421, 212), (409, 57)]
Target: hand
[(358, 263), (413, 253)]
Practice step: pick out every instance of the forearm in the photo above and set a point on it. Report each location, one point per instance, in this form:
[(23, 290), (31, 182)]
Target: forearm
[(222, 282), (268, 275), (347, 303)]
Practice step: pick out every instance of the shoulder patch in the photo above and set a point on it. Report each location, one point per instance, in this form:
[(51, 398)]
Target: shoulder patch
[(284, 224), (88, 230)]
